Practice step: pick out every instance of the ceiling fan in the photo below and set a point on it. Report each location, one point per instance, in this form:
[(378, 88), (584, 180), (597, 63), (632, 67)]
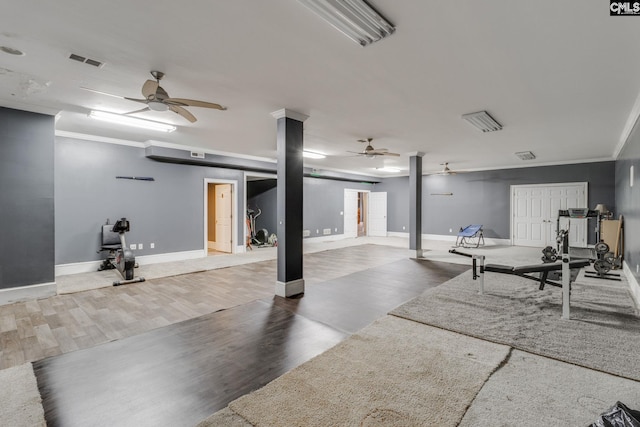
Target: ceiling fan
[(371, 152), (157, 99), (445, 170)]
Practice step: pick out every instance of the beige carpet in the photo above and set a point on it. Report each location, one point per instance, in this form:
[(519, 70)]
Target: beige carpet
[(20, 398), (531, 390), (603, 332), (394, 373)]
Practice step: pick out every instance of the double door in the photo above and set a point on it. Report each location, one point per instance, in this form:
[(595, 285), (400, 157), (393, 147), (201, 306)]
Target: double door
[(535, 213)]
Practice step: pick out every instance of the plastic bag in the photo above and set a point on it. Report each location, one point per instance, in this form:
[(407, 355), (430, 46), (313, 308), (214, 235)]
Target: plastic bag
[(618, 416)]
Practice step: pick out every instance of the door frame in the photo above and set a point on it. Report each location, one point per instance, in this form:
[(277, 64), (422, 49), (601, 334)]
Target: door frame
[(234, 212), (512, 188)]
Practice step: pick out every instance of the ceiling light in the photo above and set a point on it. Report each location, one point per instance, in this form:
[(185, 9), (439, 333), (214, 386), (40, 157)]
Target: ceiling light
[(483, 121), (353, 18), (131, 121), (388, 169), (312, 155), (525, 155)]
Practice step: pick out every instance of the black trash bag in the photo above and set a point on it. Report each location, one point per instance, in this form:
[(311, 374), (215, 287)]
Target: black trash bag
[(618, 416)]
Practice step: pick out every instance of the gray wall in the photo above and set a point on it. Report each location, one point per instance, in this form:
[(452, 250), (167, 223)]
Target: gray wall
[(323, 202), (26, 198), (483, 197), (628, 199), (168, 212)]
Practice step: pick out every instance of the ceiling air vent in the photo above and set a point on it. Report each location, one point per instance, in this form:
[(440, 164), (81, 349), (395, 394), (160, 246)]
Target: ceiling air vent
[(525, 155), (483, 121), (197, 155), (88, 61)]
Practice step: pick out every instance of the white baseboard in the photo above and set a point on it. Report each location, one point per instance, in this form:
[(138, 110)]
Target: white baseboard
[(449, 238), (89, 266), (634, 287), (289, 289), (240, 249), (24, 293), (326, 238)]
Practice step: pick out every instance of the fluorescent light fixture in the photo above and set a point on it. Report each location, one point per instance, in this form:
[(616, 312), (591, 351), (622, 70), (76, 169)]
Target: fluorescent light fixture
[(353, 18), (388, 169), (483, 121), (525, 155), (312, 155), (131, 121)]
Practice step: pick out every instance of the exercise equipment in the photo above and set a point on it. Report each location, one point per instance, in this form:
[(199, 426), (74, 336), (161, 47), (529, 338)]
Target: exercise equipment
[(606, 262), (120, 256), (546, 273), (259, 238), (470, 236)]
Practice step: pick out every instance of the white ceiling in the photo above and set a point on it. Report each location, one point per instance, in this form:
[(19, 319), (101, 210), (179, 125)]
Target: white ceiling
[(562, 77)]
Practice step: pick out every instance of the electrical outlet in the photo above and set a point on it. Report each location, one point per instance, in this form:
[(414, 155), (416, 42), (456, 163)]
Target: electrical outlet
[(133, 246), (317, 231), (404, 228), (336, 230), (140, 246), (637, 268), (152, 245), (451, 230)]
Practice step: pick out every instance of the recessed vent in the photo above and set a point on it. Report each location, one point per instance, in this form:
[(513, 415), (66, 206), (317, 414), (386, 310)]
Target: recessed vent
[(326, 231), (483, 121), (84, 60), (306, 233), (197, 155), (525, 155)]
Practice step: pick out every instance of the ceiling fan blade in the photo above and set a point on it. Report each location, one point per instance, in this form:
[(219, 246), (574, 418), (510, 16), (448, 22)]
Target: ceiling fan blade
[(149, 88), (183, 112), (386, 153), (138, 111), (193, 103), (144, 101)]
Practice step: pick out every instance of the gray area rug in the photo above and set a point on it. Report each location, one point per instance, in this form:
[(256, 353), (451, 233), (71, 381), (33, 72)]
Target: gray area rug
[(393, 373), (531, 390), (603, 333), (20, 398)]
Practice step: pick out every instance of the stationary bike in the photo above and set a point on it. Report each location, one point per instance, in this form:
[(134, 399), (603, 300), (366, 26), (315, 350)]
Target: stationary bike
[(120, 256)]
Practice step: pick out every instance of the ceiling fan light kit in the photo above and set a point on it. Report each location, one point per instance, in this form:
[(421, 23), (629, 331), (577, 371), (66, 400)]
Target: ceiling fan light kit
[(355, 19), (131, 121), (483, 121), (371, 152)]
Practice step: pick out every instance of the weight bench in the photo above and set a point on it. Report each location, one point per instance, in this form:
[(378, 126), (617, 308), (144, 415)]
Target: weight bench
[(469, 236), (548, 272), (565, 270)]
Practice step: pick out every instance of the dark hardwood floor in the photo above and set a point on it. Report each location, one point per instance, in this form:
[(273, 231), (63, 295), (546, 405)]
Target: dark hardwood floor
[(179, 374)]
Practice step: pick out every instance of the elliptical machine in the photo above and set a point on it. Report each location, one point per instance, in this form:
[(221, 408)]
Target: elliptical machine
[(120, 256)]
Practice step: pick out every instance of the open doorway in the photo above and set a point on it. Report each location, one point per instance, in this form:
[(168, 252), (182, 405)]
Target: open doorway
[(260, 210), (220, 229), (365, 213), (363, 210)]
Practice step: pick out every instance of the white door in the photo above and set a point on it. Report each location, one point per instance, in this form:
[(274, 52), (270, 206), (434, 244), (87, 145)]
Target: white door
[(350, 213), (223, 217), (378, 214), (535, 214)]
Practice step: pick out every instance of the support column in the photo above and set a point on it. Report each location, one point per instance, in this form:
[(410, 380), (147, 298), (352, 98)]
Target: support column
[(415, 205), (290, 281)]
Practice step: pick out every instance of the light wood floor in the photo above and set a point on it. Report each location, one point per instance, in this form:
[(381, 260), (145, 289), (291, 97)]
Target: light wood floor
[(33, 330)]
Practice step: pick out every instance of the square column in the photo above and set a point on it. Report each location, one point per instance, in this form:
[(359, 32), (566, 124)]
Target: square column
[(290, 281), (415, 205)]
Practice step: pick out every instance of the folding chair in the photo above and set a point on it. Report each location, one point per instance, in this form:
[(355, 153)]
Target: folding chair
[(470, 236)]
